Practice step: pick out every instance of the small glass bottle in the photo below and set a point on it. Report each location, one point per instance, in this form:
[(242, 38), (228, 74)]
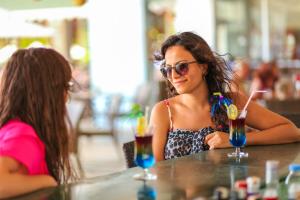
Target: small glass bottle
[(221, 193), (241, 189), (293, 181), (272, 182), (297, 85), (253, 186)]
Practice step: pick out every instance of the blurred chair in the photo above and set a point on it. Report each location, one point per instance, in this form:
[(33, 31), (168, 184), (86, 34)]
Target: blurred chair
[(128, 150), (146, 94), (88, 126), (284, 106), (75, 109), (289, 108), (85, 126)]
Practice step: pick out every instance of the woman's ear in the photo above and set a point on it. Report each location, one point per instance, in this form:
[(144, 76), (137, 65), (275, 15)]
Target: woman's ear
[(205, 69)]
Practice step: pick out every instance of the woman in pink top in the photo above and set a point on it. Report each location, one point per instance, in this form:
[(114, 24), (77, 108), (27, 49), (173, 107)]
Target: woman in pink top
[(33, 131)]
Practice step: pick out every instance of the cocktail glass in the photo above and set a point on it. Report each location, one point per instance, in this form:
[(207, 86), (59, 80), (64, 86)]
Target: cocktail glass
[(144, 156), (237, 137)]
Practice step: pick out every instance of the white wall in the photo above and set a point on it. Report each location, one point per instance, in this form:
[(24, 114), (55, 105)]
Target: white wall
[(197, 16), (116, 42)]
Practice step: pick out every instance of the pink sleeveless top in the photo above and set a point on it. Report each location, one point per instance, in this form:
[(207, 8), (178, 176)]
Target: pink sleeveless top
[(19, 141)]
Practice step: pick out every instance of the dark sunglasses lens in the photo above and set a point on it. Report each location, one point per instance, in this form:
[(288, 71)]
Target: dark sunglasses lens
[(181, 68)]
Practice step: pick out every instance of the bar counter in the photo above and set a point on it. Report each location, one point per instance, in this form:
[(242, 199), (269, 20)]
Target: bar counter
[(187, 177)]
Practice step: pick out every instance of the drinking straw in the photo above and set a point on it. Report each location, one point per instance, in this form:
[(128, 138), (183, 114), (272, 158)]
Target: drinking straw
[(243, 112), (147, 116), (141, 126), (142, 123)]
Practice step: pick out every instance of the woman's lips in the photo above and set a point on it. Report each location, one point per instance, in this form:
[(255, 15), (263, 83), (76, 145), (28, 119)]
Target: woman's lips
[(178, 83)]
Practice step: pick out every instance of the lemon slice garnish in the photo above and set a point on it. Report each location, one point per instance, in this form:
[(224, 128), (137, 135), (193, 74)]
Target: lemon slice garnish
[(232, 112)]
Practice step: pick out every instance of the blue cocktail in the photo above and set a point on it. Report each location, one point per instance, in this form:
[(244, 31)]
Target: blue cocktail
[(237, 136), (144, 156)]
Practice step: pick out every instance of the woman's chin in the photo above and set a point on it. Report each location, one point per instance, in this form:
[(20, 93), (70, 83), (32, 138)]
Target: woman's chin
[(181, 91)]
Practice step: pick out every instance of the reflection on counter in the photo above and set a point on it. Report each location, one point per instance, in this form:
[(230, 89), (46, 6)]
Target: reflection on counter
[(146, 192)]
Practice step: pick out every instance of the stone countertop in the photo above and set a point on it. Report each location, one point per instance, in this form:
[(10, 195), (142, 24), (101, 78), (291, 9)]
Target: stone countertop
[(187, 177)]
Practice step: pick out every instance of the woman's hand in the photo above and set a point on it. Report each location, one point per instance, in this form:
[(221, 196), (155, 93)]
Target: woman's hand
[(217, 140)]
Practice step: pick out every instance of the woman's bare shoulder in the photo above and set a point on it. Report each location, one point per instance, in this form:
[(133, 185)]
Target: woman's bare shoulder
[(160, 114), (165, 103), (161, 107)]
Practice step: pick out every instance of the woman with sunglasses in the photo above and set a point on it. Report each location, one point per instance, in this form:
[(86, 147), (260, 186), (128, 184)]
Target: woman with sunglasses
[(34, 150), (188, 122)]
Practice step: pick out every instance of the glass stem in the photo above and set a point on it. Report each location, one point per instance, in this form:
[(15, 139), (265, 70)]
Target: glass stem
[(237, 151), (146, 171)]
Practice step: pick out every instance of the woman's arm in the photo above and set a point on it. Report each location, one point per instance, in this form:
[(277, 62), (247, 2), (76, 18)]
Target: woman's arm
[(272, 127), (14, 181), (160, 121)]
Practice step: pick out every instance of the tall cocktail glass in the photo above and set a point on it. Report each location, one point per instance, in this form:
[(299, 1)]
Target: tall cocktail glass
[(237, 137), (144, 157)]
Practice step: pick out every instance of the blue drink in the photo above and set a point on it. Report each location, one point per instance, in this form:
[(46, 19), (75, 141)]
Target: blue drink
[(238, 140), (237, 135), (144, 156), (145, 162)]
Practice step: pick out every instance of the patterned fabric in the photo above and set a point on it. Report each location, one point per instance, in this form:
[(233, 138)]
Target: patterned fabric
[(183, 142)]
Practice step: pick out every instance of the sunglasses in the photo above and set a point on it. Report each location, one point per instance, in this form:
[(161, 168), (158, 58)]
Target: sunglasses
[(181, 68)]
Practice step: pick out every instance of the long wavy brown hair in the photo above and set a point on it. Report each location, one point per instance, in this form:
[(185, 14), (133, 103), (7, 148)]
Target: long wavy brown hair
[(34, 87), (217, 76)]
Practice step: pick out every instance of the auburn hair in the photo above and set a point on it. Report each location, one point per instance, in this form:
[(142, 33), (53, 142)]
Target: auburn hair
[(34, 88), (217, 76)]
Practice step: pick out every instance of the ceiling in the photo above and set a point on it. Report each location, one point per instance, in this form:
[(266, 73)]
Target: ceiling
[(35, 4)]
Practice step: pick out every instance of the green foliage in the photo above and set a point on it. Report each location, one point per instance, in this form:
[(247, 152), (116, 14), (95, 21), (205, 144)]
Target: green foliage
[(135, 111)]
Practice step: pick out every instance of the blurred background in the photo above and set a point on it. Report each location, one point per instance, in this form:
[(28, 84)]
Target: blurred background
[(110, 45)]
